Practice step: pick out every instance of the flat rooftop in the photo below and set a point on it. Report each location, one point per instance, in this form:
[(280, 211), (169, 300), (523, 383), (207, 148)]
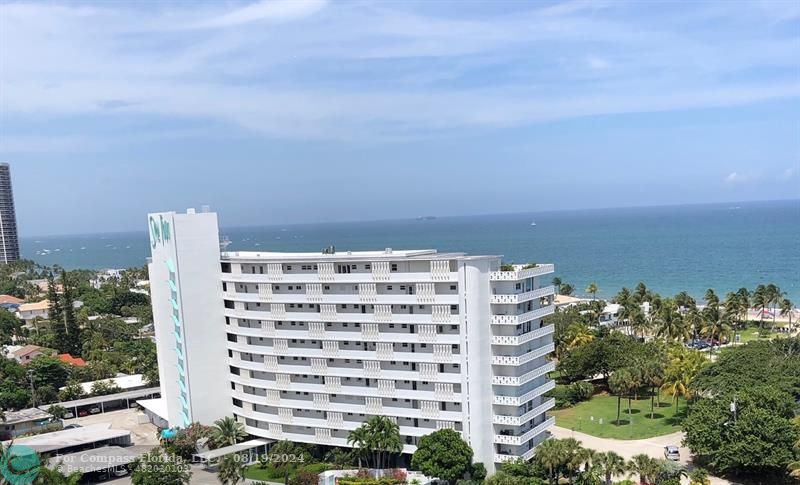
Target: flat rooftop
[(25, 415), (387, 255), (93, 460), (59, 440)]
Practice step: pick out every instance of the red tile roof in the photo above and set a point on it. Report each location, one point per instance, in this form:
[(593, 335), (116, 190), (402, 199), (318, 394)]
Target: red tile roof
[(69, 359)]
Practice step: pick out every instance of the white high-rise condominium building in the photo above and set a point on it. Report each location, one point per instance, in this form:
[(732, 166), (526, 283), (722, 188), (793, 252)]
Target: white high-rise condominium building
[(306, 346)]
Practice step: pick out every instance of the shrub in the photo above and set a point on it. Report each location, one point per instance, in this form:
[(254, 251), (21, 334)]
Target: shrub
[(560, 394), (507, 267), (579, 391), (478, 471), (530, 265), (305, 478), (399, 475)]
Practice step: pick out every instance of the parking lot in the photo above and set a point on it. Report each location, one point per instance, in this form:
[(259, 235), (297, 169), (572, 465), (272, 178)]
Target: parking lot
[(142, 434)]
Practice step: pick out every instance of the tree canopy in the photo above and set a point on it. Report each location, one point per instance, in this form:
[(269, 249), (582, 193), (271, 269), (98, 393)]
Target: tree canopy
[(443, 454)]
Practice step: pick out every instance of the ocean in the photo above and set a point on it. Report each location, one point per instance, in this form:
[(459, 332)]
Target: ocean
[(674, 248)]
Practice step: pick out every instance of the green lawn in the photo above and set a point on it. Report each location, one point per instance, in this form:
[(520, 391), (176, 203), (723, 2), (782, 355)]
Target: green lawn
[(598, 416)]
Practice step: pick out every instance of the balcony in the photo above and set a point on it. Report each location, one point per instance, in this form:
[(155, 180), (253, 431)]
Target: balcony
[(310, 405), (354, 278), (350, 317), (276, 434), (505, 299), (341, 298), (441, 354), (520, 274), (524, 358), (402, 375), (500, 458), (524, 338), (520, 400), (521, 439), (525, 418), (525, 378), (525, 317)]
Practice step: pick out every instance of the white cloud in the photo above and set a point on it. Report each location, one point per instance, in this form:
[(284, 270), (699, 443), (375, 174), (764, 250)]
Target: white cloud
[(735, 177), (299, 69), (265, 10), (597, 63), (789, 173)]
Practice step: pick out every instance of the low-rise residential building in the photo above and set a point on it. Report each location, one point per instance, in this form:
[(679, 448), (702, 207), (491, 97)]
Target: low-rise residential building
[(10, 303), (123, 382), (27, 421), (25, 354), (28, 311)]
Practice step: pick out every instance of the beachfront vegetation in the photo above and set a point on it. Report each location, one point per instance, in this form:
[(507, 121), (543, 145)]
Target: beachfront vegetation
[(443, 454)]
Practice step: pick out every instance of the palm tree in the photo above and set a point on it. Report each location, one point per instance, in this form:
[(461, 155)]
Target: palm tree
[(551, 454), (653, 376), (591, 475), (641, 465), (283, 456), (641, 293), (54, 476), (623, 297), (557, 284), (567, 289), (774, 297), (619, 383), (694, 321), (787, 307), (573, 456), (359, 439), (733, 309), (592, 289), (633, 314), (227, 431), (383, 438), (715, 328), (670, 323), (760, 301), (681, 371), (611, 464), (578, 334), (230, 470), (684, 300)]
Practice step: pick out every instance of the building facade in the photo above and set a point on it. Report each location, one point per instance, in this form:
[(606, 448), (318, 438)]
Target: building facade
[(9, 243), (307, 346)]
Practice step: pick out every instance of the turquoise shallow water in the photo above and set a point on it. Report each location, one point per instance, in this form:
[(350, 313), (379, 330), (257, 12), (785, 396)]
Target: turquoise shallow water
[(691, 248)]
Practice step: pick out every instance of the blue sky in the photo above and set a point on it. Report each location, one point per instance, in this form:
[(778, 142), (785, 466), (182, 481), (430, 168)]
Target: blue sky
[(307, 110)]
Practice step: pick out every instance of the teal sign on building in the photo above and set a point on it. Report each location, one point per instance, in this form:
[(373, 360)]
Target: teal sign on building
[(160, 232)]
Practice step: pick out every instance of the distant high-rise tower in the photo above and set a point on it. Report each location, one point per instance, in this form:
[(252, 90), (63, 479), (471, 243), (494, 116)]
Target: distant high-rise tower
[(9, 244)]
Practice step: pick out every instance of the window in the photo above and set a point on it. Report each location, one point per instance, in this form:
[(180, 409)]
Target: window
[(388, 287), (394, 266), (367, 267), (288, 267), (453, 287)]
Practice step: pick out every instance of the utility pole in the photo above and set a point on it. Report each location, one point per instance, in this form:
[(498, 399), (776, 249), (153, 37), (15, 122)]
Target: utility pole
[(33, 389)]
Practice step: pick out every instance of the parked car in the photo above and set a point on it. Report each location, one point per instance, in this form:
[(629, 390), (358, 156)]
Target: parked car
[(72, 426), (68, 415), (94, 410), (83, 413), (671, 452)]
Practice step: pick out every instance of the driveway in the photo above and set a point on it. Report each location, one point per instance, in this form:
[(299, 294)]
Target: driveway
[(653, 447)]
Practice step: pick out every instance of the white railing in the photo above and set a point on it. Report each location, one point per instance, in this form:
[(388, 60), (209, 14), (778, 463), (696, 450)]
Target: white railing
[(524, 317), (520, 274), (523, 419), (518, 440), (524, 358), (542, 292), (520, 400), (524, 338), (525, 378)]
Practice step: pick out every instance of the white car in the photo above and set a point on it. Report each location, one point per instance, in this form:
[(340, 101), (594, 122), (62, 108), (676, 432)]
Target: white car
[(671, 452)]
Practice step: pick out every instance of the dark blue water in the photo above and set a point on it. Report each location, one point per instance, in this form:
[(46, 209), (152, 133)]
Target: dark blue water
[(670, 248)]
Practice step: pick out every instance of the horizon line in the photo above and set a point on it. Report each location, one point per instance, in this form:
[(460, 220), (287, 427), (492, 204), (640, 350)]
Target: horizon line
[(350, 221)]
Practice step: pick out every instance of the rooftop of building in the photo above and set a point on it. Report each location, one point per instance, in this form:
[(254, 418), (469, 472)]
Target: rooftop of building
[(122, 381), (69, 438), (25, 415), (387, 254), (29, 349), (97, 459), (8, 299), (37, 306), (69, 359)]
